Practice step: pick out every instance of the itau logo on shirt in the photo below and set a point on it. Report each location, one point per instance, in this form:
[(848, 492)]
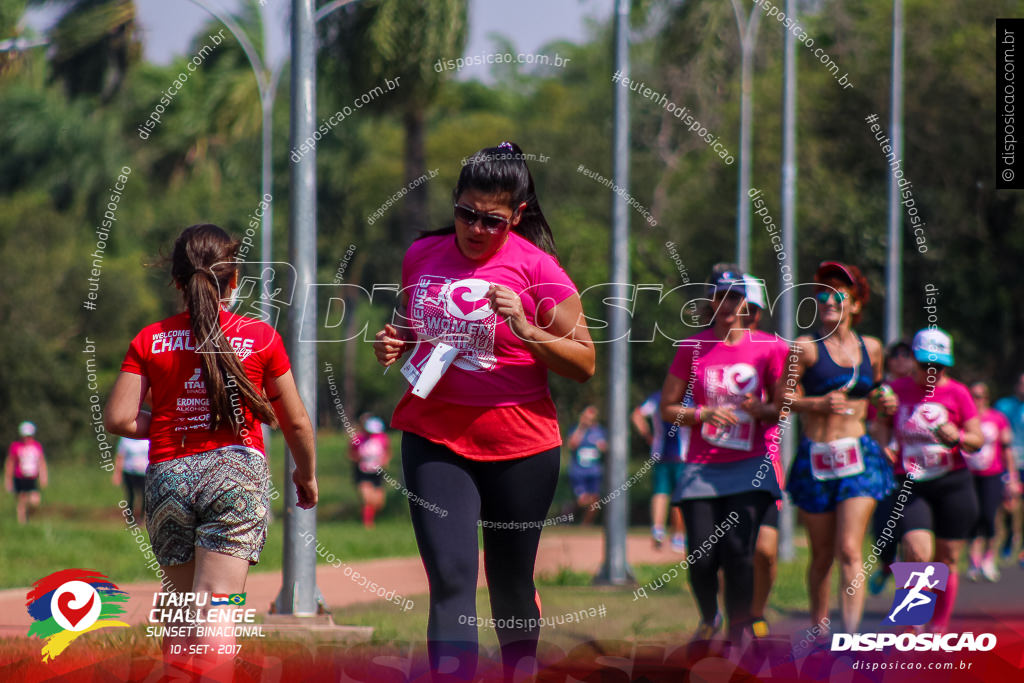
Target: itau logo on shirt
[(68, 603), (930, 415), (741, 379), (918, 584)]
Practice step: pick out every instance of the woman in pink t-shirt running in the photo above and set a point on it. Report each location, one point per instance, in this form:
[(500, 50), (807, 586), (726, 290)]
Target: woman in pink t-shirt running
[(486, 310)]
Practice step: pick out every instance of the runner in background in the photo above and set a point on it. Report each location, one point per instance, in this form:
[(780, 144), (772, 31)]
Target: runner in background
[(1013, 513), (839, 472), (989, 466), (726, 370), (25, 471), (588, 444), (935, 424), (899, 362), (130, 469), (487, 312), (766, 551), (668, 447), (370, 452)]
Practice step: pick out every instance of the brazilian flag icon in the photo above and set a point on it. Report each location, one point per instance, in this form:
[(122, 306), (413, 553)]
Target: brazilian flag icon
[(237, 598)]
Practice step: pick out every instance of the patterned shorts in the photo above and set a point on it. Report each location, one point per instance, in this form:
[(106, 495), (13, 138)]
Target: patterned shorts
[(812, 495), (218, 500)]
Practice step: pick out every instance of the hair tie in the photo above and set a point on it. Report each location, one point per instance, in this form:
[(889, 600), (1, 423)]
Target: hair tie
[(506, 145)]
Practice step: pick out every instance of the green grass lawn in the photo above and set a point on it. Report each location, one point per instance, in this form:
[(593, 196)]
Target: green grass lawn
[(80, 524)]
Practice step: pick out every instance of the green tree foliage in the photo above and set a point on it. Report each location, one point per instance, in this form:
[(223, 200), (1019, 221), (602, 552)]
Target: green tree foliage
[(63, 148)]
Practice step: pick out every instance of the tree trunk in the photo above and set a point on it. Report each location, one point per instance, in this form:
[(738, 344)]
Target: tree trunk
[(414, 209)]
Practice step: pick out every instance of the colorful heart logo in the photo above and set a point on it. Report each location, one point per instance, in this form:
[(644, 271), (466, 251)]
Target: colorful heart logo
[(72, 614), (467, 299), (75, 605), (741, 379)]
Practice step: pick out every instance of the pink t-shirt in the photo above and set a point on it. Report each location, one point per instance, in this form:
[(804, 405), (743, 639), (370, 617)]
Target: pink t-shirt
[(721, 375), (447, 301), (371, 451), (988, 460), (27, 455), (916, 419)]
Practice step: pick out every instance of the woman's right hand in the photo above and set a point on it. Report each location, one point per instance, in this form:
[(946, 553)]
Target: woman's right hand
[(305, 489), (718, 417), (389, 347), (835, 403)]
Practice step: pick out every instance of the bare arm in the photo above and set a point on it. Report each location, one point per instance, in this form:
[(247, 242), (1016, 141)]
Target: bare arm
[(44, 474), (560, 340), (298, 433), (640, 422), (124, 415)]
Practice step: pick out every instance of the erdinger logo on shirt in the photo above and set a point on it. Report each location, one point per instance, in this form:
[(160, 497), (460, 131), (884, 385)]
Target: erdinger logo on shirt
[(918, 585)]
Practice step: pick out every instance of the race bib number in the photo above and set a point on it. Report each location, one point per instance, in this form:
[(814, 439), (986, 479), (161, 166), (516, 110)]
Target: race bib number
[(588, 456), (726, 386), (837, 459), (927, 461), (739, 436)]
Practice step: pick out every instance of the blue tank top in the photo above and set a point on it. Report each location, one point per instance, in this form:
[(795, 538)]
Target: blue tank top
[(826, 375)]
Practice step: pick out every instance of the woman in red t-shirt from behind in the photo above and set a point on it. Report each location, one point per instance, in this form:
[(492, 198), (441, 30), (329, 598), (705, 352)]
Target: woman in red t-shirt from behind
[(486, 311), (215, 377)]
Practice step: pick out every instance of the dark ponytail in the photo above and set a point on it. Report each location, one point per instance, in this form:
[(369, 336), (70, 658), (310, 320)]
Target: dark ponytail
[(202, 265), (503, 170)]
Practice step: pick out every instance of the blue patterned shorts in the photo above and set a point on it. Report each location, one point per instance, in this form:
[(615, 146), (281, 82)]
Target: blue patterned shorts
[(218, 500), (812, 495)]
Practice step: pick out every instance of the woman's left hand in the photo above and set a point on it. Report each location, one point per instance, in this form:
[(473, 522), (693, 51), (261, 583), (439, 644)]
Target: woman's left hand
[(948, 433), (507, 304)]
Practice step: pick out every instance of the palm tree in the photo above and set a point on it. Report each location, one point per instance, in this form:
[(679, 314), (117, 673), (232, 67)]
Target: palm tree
[(93, 45), (369, 41)]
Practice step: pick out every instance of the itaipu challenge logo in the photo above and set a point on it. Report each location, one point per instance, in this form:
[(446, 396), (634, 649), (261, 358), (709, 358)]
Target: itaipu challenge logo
[(71, 602)]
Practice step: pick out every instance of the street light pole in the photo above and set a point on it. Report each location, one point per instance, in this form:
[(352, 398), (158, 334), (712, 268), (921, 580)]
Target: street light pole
[(615, 570)]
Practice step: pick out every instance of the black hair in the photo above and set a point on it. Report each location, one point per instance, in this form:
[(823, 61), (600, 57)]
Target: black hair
[(503, 170)]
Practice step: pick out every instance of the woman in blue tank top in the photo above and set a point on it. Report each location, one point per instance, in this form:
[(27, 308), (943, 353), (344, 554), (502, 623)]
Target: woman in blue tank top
[(839, 472)]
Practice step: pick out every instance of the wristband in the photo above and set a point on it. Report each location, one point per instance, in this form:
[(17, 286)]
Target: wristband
[(696, 415)]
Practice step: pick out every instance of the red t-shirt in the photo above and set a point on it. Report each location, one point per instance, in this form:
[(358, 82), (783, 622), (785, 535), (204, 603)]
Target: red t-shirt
[(164, 353), (916, 419), (371, 450), (493, 402), (721, 375)]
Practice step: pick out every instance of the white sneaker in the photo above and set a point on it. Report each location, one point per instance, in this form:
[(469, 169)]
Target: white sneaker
[(990, 571)]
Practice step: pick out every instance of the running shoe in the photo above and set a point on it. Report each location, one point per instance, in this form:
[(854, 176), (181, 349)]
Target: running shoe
[(973, 573), (707, 631), (1006, 552), (990, 571), (759, 627), (658, 536), (878, 579), (679, 543), (1020, 559)]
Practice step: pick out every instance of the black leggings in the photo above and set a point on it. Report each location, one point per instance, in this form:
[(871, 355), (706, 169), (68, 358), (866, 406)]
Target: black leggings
[(731, 548), (465, 492), (989, 490)]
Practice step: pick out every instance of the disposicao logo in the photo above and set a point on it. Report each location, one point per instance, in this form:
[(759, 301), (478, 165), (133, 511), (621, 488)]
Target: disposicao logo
[(71, 602), (917, 587), (914, 603)]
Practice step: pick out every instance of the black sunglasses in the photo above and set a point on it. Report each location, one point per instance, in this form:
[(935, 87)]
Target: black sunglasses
[(488, 221)]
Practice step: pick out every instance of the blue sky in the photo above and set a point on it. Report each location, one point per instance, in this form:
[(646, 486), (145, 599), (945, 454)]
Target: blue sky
[(168, 25)]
